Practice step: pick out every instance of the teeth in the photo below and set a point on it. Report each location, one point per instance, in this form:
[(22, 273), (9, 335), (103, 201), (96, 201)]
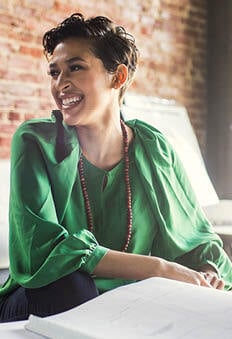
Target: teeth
[(69, 101)]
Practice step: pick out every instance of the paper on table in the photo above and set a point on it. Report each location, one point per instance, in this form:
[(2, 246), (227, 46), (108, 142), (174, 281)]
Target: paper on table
[(15, 330), (153, 308)]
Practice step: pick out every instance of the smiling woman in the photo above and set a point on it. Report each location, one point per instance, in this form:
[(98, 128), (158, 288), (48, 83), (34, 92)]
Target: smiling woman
[(95, 202)]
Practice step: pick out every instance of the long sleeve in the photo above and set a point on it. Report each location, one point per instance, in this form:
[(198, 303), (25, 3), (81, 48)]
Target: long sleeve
[(210, 250), (41, 249), (185, 235)]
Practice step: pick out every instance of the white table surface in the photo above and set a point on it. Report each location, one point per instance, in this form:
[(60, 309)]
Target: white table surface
[(16, 330)]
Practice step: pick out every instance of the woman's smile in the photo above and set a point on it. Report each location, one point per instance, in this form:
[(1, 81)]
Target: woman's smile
[(71, 101), (66, 103)]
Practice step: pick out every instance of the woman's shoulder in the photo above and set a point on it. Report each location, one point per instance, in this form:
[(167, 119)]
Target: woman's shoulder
[(44, 134), (144, 127), (152, 140), (45, 128), (36, 126), (147, 132), (33, 134)]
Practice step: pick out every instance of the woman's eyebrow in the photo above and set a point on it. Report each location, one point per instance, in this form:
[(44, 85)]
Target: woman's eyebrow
[(76, 58), (69, 61)]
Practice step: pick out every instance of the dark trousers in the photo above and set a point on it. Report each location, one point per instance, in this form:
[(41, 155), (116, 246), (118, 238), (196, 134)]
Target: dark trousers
[(59, 296)]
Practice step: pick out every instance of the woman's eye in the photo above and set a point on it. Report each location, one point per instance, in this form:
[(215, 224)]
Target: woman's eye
[(75, 68), (53, 73)]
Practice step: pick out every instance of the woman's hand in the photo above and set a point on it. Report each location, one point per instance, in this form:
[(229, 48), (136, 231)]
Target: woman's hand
[(213, 280), (179, 272), (211, 276)]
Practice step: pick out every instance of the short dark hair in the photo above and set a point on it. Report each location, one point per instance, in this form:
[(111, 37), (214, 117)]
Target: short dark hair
[(109, 42)]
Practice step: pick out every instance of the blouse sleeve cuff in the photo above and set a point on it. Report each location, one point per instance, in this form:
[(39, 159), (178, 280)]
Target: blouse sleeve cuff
[(97, 254)]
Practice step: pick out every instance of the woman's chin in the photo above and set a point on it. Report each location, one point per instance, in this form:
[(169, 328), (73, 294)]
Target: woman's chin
[(69, 119), (70, 122), (71, 115)]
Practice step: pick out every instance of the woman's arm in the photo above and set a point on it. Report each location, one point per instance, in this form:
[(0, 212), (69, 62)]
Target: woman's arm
[(42, 249), (138, 267)]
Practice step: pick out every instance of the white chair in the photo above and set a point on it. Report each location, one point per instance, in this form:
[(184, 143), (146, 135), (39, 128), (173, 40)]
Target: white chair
[(4, 228)]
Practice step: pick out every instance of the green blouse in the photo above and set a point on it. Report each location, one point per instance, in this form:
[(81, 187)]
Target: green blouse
[(48, 226)]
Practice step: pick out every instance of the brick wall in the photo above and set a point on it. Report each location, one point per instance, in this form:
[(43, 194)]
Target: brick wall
[(171, 36)]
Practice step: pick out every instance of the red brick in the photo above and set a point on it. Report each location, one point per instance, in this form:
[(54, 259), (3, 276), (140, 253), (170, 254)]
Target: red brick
[(29, 116), (11, 20), (199, 4), (33, 51), (5, 142), (4, 152), (26, 104), (7, 129), (41, 3), (14, 116)]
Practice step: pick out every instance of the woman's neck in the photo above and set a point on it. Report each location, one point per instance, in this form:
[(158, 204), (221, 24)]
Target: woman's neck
[(102, 144)]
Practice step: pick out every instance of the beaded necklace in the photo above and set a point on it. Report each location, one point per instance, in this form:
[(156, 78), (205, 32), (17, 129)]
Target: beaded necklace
[(127, 187)]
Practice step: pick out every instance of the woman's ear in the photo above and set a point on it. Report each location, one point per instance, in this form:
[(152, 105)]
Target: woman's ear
[(120, 76)]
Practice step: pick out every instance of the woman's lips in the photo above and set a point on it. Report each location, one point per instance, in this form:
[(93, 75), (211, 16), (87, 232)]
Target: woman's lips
[(70, 101)]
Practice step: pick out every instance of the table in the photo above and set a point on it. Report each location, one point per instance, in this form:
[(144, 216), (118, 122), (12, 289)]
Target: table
[(16, 330)]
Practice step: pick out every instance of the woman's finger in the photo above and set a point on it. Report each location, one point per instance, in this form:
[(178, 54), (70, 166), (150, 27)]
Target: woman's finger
[(214, 281)]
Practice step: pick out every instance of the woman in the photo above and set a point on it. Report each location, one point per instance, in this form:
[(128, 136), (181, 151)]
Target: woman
[(96, 202)]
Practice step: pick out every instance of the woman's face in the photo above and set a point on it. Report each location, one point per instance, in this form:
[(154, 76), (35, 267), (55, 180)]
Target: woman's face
[(81, 86)]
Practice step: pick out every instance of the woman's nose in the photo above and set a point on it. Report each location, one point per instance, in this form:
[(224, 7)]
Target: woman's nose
[(63, 82)]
